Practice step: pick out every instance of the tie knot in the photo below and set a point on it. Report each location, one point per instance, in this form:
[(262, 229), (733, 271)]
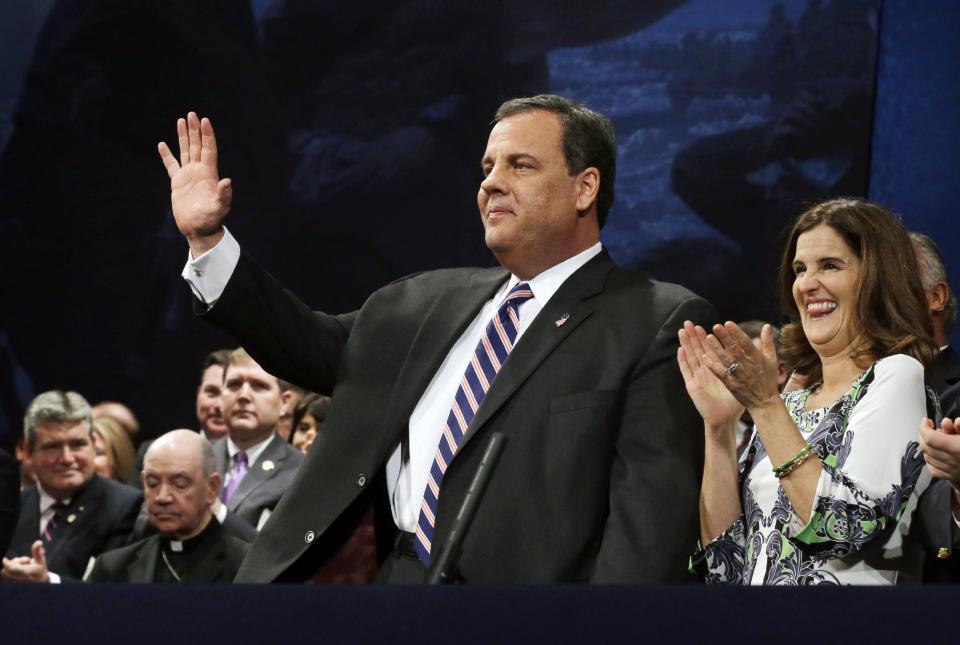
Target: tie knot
[(240, 458), (519, 294)]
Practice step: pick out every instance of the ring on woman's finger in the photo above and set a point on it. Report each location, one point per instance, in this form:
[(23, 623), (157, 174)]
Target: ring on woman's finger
[(732, 367)]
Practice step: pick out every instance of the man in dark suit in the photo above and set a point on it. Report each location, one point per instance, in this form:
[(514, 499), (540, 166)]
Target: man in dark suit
[(938, 507), (181, 485), (944, 371), (72, 514), (569, 357), (251, 402)]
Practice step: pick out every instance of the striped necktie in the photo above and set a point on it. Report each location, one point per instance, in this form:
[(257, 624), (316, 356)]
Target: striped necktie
[(491, 353), (54, 524)]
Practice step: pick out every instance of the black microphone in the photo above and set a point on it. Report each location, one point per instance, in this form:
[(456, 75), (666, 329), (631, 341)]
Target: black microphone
[(444, 570)]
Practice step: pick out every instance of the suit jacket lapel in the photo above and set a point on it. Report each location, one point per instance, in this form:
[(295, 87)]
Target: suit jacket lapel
[(257, 475), (143, 568), (443, 324), (222, 457), (77, 516), (543, 336)]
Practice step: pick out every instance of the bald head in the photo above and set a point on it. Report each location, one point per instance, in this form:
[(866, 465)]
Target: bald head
[(180, 483), (186, 447)]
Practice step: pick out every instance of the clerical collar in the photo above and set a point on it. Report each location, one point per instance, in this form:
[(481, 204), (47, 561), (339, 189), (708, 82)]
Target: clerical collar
[(186, 546)]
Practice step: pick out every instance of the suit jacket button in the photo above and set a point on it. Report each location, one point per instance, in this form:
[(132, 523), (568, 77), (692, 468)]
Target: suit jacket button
[(361, 480), (309, 537), (943, 553)]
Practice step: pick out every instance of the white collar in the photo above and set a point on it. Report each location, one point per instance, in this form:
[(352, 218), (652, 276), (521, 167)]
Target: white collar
[(547, 282), (253, 452), (46, 501)]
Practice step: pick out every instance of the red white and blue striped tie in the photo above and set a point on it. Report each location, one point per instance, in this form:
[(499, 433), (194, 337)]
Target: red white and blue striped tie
[(491, 353)]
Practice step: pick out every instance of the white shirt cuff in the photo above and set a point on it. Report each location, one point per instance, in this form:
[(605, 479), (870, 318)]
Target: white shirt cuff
[(208, 274)]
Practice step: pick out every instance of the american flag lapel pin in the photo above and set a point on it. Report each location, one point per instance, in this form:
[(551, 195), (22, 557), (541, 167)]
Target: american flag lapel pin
[(562, 319)]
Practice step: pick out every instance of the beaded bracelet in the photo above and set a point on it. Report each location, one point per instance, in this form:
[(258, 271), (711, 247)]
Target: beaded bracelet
[(788, 467)]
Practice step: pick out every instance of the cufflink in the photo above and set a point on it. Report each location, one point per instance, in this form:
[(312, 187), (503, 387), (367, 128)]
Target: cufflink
[(943, 553)]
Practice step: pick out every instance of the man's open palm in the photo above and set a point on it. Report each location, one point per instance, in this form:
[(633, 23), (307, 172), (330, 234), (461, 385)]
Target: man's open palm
[(200, 199)]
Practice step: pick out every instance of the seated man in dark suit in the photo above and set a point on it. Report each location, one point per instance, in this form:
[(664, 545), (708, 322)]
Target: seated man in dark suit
[(257, 465), (938, 507), (181, 485), (72, 514), (940, 504)]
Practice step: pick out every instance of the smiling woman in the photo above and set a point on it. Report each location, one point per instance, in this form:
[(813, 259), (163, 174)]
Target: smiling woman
[(820, 493)]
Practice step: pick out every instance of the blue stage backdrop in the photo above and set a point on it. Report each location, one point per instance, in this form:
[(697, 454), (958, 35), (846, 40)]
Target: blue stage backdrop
[(353, 133)]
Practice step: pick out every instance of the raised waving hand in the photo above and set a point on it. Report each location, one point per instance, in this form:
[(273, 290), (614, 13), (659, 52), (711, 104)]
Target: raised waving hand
[(200, 199)]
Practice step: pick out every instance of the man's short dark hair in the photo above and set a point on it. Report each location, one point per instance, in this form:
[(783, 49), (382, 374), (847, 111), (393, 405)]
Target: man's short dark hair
[(220, 357), (588, 140)]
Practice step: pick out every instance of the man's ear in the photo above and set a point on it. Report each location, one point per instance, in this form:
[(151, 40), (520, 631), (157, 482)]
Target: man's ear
[(23, 451), (588, 187), (214, 485), (285, 397), (938, 296)]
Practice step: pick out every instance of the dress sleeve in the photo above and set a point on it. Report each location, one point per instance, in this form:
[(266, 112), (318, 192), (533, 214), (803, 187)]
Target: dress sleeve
[(869, 446), (723, 560)]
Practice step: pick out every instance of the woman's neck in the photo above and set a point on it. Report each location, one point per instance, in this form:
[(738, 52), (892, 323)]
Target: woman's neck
[(839, 373)]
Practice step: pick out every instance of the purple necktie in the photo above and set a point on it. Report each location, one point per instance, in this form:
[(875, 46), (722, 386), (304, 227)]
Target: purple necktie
[(237, 474), (491, 353)]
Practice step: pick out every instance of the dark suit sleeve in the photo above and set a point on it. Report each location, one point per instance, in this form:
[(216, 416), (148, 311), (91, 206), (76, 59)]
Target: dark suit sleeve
[(655, 481), (288, 339), (9, 498)]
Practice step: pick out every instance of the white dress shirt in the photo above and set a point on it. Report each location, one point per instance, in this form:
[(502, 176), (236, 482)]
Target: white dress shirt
[(46, 507), (407, 474)]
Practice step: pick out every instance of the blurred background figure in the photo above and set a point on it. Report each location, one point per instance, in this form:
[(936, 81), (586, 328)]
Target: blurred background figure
[(209, 393), (115, 456), (944, 371), (290, 396), (122, 414), (308, 416)]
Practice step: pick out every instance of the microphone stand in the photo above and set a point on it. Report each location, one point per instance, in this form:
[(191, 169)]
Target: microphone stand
[(445, 569)]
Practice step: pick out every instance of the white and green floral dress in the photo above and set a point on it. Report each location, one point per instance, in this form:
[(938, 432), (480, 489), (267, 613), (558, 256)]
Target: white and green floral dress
[(873, 474)]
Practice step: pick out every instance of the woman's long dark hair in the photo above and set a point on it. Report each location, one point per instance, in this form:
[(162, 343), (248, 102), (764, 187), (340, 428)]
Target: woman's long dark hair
[(892, 314)]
